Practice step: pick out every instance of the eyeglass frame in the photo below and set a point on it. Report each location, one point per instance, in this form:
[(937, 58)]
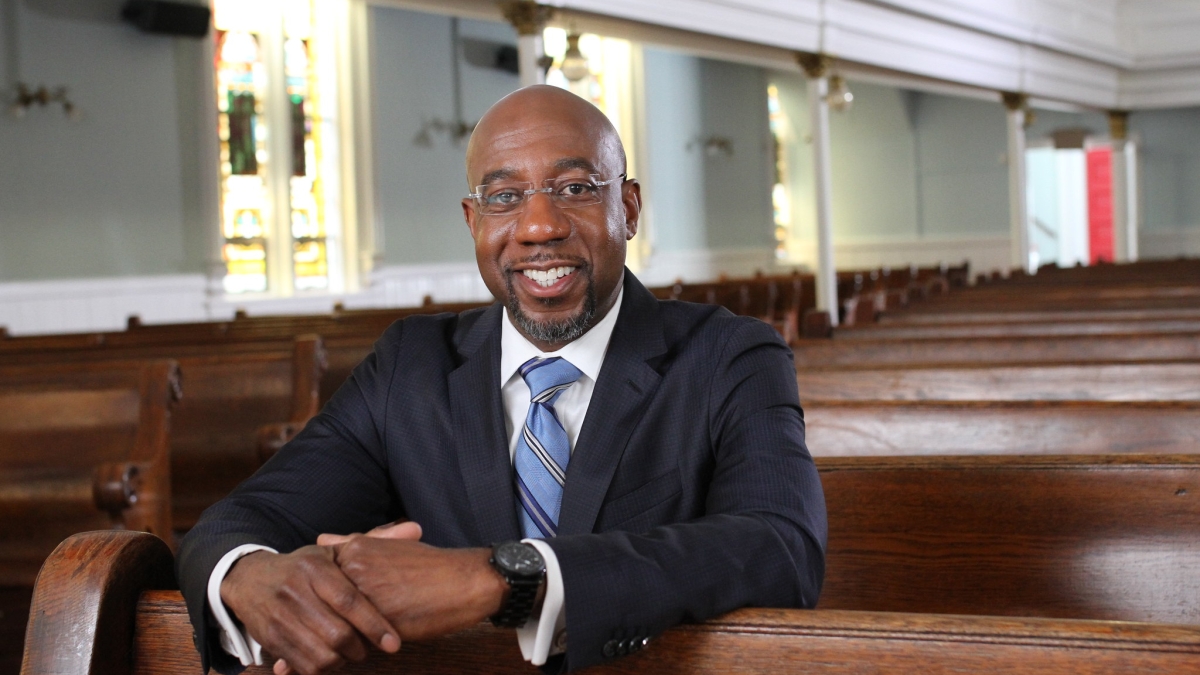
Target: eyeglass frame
[(548, 190)]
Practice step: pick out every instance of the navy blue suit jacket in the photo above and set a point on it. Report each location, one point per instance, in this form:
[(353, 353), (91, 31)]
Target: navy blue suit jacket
[(689, 493)]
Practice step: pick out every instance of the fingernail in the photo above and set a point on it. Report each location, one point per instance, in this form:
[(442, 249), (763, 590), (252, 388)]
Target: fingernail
[(390, 643)]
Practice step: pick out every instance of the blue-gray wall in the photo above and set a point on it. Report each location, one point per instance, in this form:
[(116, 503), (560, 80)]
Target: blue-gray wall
[(698, 198), (420, 184), (104, 195), (1170, 163)]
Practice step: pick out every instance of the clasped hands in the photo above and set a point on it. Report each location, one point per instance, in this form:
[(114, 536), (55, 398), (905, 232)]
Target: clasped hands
[(319, 606)]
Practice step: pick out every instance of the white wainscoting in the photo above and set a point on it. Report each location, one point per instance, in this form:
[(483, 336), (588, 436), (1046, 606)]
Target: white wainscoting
[(104, 304), (81, 305), (983, 253), (662, 269)]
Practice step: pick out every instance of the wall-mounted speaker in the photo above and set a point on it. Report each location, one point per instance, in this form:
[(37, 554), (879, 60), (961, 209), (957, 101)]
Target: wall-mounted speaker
[(168, 18)]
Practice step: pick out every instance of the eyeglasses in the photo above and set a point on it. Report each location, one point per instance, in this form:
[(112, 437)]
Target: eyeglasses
[(566, 192)]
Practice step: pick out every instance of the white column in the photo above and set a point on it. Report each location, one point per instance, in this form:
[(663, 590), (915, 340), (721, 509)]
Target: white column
[(529, 18), (530, 51), (1018, 211), (1124, 222), (816, 68)]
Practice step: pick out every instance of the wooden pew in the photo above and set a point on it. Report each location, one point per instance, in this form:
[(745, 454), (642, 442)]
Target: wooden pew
[(997, 350), (1100, 537), (245, 399), (82, 447), (890, 428), (924, 331), (1034, 315), (1137, 381), (103, 605)]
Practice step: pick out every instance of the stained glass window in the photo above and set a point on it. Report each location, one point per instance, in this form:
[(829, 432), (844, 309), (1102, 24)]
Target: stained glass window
[(241, 90), (270, 79)]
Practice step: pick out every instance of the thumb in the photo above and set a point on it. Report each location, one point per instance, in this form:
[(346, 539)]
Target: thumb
[(335, 539), (407, 530)]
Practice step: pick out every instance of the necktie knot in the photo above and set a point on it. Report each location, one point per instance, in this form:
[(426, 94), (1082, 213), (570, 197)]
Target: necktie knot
[(548, 378)]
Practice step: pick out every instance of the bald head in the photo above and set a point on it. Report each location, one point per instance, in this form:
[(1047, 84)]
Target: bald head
[(525, 120)]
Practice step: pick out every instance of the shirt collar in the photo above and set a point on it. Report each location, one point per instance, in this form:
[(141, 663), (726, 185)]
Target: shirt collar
[(585, 353)]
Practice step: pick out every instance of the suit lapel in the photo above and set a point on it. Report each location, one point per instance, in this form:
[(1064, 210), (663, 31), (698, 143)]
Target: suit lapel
[(625, 385), (478, 417)]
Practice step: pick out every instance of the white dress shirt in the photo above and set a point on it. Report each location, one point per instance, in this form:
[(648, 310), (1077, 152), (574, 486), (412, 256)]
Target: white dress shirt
[(545, 634)]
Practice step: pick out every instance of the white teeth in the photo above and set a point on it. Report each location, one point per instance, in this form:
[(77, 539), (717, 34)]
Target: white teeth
[(547, 278)]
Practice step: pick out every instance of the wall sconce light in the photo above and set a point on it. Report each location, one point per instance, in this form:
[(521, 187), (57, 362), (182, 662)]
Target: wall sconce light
[(455, 130), (41, 97), (840, 98), (713, 145), (574, 64)]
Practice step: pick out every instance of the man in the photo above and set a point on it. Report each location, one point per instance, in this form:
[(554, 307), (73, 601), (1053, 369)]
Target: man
[(650, 455)]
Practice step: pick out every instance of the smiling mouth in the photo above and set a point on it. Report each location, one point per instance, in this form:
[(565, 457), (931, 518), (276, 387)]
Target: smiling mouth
[(547, 278)]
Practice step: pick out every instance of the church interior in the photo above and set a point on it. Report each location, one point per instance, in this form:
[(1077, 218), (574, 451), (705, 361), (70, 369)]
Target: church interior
[(976, 224)]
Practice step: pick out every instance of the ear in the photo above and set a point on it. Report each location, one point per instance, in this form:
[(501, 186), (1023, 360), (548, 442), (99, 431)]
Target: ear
[(468, 207), (631, 197)]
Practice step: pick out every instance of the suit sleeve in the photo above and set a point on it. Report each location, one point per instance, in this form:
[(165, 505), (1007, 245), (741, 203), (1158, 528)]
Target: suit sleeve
[(338, 458), (760, 542)]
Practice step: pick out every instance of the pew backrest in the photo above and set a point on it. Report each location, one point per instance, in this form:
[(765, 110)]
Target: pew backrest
[(82, 447), (244, 401), (996, 350), (1101, 537), (882, 428), (1151, 381), (100, 607)]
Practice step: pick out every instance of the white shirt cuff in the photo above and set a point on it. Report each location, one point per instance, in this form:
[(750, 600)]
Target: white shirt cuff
[(234, 640), (545, 635)]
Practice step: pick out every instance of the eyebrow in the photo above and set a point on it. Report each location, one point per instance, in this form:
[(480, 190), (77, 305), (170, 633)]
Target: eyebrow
[(565, 164), (499, 174), (568, 163)]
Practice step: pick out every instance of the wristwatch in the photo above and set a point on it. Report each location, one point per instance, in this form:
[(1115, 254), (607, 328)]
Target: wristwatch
[(523, 568)]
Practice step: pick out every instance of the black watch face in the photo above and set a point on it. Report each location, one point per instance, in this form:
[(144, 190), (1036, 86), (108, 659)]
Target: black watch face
[(520, 559)]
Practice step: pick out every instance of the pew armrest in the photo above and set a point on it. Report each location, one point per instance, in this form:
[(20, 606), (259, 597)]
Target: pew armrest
[(81, 620)]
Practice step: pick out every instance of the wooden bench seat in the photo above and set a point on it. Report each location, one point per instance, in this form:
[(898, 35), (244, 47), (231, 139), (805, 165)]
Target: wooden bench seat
[(82, 447), (883, 428), (1139, 381), (101, 607), (245, 399), (998, 350)]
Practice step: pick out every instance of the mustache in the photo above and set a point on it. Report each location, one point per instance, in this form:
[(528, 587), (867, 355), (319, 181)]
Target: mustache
[(574, 261)]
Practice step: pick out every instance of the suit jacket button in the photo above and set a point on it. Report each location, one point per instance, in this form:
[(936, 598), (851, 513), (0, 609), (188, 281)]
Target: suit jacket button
[(623, 647), (635, 645), (610, 649)]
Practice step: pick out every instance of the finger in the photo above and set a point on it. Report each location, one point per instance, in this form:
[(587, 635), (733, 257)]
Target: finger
[(282, 668), (328, 539), (344, 598), (405, 530)]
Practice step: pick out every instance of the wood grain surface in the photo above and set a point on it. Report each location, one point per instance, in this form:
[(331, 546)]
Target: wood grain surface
[(875, 428), (1150, 381)]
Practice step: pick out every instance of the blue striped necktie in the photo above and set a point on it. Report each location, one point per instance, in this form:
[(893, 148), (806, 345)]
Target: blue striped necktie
[(542, 447)]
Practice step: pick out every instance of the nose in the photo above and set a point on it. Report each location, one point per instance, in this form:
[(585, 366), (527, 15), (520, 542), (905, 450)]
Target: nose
[(541, 221)]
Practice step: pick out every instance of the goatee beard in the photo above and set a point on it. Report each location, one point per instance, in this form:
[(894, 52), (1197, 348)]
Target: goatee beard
[(555, 332)]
